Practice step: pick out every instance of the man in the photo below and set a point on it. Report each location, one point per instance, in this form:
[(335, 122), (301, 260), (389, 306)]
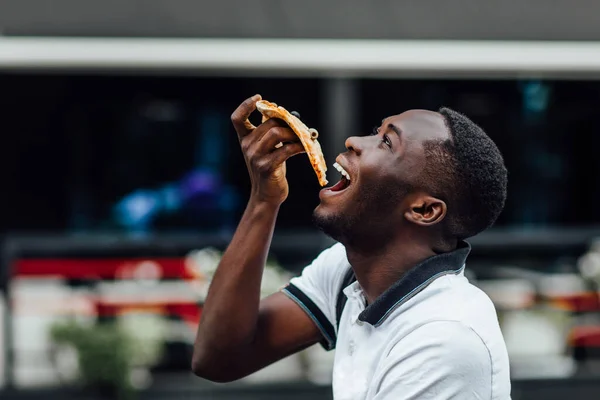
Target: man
[(391, 297)]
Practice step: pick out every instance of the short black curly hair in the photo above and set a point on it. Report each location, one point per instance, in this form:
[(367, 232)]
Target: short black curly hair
[(467, 171)]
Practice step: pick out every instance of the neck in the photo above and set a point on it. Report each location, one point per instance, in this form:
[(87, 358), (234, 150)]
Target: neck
[(377, 269)]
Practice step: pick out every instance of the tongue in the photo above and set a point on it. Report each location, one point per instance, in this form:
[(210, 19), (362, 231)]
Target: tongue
[(341, 185)]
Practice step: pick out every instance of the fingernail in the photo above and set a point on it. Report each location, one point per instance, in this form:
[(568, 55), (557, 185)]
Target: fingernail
[(295, 114), (256, 97)]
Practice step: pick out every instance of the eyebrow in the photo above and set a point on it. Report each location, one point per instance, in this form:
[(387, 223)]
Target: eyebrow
[(395, 129)]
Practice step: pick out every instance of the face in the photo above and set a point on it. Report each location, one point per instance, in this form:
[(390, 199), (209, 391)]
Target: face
[(384, 171)]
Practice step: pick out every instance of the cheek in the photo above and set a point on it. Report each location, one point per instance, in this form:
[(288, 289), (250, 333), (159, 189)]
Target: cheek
[(394, 177), (412, 167), (375, 172)]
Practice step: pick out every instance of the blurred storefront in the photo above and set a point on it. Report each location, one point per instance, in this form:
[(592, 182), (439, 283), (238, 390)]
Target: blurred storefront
[(124, 180)]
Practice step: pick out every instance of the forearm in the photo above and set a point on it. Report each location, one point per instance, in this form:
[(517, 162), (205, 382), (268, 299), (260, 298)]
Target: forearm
[(229, 326), (230, 312)]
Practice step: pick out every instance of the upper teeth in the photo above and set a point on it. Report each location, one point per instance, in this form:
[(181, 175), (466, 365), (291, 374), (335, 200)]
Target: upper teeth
[(341, 170)]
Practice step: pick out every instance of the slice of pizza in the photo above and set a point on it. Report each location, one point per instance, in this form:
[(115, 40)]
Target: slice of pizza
[(308, 137)]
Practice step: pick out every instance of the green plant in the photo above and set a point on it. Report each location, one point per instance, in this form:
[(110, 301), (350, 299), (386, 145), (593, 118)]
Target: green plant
[(104, 353)]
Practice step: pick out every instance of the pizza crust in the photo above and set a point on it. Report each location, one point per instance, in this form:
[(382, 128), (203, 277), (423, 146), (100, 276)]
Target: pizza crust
[(307, 136)]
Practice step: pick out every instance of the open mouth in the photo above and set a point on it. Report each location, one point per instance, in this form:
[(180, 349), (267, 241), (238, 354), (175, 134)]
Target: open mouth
[(344, 182)]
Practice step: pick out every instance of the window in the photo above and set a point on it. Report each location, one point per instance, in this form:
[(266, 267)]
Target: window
[(90, 153)]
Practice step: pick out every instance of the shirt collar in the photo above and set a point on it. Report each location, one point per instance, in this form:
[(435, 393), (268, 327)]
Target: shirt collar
[(415, 280)]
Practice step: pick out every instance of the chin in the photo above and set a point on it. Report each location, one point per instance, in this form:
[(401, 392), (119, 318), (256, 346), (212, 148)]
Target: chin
[(335, 225), (319, 217)]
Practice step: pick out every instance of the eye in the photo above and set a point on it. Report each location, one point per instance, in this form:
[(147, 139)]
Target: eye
[(375, 131), (386, 140)]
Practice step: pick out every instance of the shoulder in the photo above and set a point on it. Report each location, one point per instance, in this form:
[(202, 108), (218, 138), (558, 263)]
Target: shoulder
[(335, 255), (317, 289), (452, 298), (438, 359), (448, 340), (453, 323), (328, 267)]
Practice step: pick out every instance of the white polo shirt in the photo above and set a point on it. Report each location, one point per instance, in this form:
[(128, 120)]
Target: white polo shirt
[(432, 335)]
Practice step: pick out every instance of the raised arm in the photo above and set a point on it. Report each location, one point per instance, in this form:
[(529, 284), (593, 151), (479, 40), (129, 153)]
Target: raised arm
[(238, 333)]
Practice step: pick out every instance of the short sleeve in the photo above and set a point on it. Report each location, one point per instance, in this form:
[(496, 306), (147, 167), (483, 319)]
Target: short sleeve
[(439, 361), (316, 290)]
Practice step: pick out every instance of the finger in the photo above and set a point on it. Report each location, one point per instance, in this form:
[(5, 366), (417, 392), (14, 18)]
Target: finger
[(240, 116), (261, 130), (280, 155), (277, 135), (295, 114), (252, 141)]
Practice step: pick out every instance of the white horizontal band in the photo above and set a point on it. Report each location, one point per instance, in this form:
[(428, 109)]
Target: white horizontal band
[(352, 58)]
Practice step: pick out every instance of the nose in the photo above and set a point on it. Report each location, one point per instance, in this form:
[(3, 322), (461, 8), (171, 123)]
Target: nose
[(353, 144)]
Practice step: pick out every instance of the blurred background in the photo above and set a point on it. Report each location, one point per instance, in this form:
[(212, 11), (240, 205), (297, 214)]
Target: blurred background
[(123, 180)]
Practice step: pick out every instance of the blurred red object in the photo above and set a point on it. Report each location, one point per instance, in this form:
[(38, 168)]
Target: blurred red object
[(585, 336), (578, 302), (166, 297), (109, 268)]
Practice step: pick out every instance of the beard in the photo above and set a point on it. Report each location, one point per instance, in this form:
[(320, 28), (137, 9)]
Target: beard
[(340, 228), (365, 218)]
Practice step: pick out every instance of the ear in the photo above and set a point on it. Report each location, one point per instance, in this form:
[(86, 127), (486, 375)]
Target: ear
[(426, 211)]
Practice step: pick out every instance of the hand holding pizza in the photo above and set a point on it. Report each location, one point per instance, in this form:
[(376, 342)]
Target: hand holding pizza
[(308, 137), (265, 161)]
